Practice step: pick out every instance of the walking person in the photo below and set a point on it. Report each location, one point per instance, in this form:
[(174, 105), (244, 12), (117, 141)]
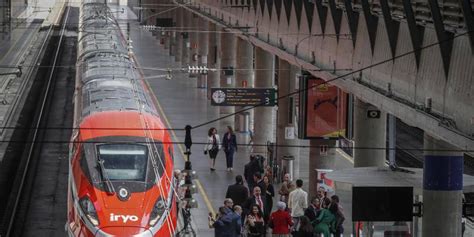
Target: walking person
[(229, 142), (237, 192), (297, 202), (212, 147), (280, 221)]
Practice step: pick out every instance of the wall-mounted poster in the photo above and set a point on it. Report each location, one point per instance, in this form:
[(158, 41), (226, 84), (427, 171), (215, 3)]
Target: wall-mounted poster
[(324, 109)]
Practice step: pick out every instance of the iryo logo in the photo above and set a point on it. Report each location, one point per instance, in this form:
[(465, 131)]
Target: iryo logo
[(124, 218)]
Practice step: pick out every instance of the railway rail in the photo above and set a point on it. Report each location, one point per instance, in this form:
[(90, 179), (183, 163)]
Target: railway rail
[(30, 144)]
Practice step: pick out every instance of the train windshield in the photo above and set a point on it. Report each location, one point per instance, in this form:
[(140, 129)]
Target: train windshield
[(127, 162)]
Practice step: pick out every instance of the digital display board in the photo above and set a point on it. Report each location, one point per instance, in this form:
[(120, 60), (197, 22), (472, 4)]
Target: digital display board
[(243, 96), (324, 108)]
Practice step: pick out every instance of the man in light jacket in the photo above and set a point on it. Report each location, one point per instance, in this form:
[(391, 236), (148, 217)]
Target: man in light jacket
[(297, 202)]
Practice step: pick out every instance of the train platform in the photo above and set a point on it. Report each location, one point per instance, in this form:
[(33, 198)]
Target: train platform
[(181, 103), (22, 45)]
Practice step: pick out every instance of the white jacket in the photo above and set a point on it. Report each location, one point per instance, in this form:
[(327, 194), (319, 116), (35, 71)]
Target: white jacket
[(208, 145)]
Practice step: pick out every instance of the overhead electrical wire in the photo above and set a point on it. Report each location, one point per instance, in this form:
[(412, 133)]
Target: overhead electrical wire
[(246, 145), (336, 78), (252, 107)]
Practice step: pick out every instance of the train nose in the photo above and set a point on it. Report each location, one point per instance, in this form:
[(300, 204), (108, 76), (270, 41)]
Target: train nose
[(123, 231)]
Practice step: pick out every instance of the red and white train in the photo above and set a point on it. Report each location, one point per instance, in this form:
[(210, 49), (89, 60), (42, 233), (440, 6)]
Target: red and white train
[(121, 158)]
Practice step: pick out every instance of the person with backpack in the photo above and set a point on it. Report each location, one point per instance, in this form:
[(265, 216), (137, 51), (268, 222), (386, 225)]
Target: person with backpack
[(212, 147)]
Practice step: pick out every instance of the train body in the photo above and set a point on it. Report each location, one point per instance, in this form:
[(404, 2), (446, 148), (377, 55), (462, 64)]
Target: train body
[(121, 157)]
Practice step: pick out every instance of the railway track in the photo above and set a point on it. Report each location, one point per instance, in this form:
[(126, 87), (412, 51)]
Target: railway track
[(36, 204)]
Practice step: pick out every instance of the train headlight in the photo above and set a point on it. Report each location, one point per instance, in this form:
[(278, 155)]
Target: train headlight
[(89, 210), (157, 212)]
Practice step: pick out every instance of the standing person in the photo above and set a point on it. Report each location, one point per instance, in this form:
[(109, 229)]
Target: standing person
[(255, 224), (177, 187), (325, 223), (238, 219), (280, 221), (339, 216), (238, 192), (313, 210), (212, 147), (257, 199), (222, 223), (249, 171), (258, 180), (229, 142), (229, 205), (306, 229), (269, 192), (285, 189), (297, 202)]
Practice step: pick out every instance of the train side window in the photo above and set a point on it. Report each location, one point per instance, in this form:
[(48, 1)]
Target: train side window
[(83, 162)]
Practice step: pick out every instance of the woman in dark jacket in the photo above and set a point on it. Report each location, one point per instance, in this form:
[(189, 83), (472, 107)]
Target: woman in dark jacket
[(229, 142), (269, 193)]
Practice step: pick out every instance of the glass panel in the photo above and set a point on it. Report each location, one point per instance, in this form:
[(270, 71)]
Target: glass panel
[(124, 161)]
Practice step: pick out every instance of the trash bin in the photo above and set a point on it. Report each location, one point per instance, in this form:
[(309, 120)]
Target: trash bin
[(287, 165)]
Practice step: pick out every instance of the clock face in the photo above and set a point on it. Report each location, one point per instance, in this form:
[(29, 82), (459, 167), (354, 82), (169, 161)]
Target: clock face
[(218, 96)]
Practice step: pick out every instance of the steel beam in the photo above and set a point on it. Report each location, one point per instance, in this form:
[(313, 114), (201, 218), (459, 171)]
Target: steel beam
[(322, 13), (353, 19), (371, 22), (416, 32), (391, 26), (336, 17), (468, 20), (443, 36)]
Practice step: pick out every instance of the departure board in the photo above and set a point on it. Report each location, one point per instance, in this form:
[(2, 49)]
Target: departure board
[(243, 96)]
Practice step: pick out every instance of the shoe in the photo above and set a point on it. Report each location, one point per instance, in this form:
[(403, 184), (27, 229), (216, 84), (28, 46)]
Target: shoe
[(231, 169), (212, 169)]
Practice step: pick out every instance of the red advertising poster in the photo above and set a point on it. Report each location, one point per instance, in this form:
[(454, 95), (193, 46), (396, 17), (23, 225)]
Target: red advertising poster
[(326, 108)]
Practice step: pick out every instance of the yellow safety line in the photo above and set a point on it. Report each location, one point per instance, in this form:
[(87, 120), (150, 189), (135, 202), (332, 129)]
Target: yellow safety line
[(198, 183)]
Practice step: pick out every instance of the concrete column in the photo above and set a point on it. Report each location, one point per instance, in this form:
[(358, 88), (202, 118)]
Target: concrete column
[(179, 36), (228, 60), (321, 156), (203, 49), (166, 34), (193, 39), (213, 60), (186, 43), (442, 188), (243, 73), (285, 117), (369, 133), (264, 73), (392, 138)]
